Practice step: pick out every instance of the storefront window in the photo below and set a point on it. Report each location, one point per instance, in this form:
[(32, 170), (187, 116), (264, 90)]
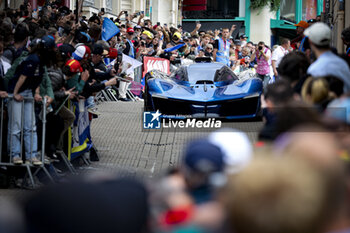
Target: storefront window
[(287, 10), (148, 8), (211, 9), (309, 9)]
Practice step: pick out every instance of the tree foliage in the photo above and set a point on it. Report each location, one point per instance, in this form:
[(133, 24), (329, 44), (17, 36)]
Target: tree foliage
[(260, 4)]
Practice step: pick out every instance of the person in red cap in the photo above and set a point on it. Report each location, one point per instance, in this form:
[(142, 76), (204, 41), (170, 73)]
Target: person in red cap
[(72, 69), (129, 50), (64, 118), (113, 53)]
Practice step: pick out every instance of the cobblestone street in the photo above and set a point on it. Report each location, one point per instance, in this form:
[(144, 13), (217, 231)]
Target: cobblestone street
[(124, 148)]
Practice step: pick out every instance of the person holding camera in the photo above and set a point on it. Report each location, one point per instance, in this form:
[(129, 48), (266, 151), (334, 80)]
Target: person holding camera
[(263, 55), (146, 46)]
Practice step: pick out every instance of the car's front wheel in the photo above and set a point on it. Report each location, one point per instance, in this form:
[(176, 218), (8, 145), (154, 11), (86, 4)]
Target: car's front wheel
[(147, 100)]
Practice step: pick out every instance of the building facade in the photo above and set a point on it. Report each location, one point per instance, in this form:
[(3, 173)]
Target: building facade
[(163, 11), (260, 25), (337, 14)]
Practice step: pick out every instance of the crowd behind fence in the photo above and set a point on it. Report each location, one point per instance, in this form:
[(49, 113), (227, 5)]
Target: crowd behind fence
[(33, 157)]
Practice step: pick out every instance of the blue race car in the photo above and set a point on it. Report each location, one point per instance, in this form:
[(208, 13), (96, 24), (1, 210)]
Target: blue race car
[(202, 90)]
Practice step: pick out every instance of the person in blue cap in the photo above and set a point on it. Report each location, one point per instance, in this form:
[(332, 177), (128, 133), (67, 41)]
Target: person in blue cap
[(202, 159)]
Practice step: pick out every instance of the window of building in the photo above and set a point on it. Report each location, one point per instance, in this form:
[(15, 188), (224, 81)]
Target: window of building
[(309, 9), (287, 10), (211, 9), (148, 8)]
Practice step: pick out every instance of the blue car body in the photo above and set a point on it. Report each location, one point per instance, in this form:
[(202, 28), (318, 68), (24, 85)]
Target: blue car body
[(202, 90)]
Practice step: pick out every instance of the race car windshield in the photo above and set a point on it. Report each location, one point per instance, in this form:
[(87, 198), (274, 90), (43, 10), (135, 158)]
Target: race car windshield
[(214, 72), (203, 72)]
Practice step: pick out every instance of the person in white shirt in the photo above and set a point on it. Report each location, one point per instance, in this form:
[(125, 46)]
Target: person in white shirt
[(278, 54), (327, 62)]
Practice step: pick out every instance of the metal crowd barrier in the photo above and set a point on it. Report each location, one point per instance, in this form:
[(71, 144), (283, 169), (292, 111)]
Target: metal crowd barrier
[(28, 166)]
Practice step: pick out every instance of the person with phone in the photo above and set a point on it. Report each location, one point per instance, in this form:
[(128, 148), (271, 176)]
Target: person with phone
[(129, 49), (139, 13)]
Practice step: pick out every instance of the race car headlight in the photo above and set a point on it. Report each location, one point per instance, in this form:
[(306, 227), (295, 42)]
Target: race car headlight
[(166, 86), (252, 96), (159, 96)]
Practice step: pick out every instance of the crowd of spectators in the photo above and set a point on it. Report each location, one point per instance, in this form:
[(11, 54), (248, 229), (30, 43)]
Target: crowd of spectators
[(222, 184), (294, 180)]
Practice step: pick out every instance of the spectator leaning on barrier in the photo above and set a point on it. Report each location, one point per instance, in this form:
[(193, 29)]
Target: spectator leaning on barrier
[(97, 81), (3, 92), (58, 85), (98, 53), (327, 62), (77, 79), (26, 82)]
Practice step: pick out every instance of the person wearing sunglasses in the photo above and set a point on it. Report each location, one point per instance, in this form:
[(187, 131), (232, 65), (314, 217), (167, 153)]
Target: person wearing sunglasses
[(98, 53), (209, 50)]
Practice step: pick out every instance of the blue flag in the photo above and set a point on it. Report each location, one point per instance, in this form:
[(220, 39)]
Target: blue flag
[(81, 137), (109, 29), (174, 48)]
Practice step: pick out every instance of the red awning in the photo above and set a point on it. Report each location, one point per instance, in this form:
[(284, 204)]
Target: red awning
[(194, 2), (194, 5), (194, 8)]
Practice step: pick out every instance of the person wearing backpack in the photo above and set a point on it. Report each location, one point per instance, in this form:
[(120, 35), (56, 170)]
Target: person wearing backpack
[(13, 51)]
